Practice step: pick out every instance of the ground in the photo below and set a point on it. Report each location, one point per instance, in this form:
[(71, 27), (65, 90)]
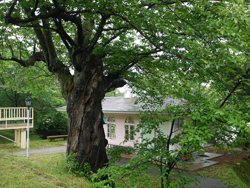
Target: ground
[(229, 157), (233, 168)]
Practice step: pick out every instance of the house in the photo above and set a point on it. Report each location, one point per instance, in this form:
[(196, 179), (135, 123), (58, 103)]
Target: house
[(121, 117)]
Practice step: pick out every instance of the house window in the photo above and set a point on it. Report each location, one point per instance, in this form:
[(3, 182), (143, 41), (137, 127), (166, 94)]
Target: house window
[(111, 127), (178, 123), (129, 128)]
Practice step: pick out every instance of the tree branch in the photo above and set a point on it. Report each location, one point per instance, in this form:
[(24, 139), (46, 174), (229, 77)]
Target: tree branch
[(50, 46), (112, 38), (134, 62), (138, 30), (8, 15), (170, 135), (116, 29), (11, 49), (41, 38), (113, 84), (98, 33), (64, 36), (53, 13), (34, 9), (235, 87), (38, 56)]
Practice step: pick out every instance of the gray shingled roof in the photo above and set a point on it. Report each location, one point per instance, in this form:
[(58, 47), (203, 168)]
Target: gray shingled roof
[(121, 104)]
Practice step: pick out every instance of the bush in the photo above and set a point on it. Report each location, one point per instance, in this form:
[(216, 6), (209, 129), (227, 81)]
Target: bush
[(102, 179), (52, 124), (74, 167)]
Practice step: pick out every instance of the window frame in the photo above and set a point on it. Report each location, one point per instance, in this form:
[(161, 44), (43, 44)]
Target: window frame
[(128, 130), (111, 128), (178, 123)]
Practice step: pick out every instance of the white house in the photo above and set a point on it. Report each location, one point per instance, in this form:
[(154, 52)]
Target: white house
[(121, 117)]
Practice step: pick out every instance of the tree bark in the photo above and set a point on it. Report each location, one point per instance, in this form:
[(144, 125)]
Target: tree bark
[(86, 134)]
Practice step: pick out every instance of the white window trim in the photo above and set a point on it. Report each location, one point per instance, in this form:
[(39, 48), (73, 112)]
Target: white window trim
[(129, 130), (109, 129)]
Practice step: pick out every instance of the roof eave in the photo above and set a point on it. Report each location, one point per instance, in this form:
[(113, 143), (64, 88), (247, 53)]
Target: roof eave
[(120, 112)]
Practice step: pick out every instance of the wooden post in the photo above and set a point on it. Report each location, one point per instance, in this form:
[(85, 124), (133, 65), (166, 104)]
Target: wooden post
[(23, 138), (17, 137)]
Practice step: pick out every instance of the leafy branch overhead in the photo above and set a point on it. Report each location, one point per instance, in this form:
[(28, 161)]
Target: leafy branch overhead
[(122, 28)]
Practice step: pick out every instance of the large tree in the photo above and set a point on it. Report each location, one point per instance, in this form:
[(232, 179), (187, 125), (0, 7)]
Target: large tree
[(94, 47)]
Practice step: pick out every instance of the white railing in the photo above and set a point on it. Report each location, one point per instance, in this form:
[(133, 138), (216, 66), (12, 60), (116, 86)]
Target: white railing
[(15, 117), (9, 139)]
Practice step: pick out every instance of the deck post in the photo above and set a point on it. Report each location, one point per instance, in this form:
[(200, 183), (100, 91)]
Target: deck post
[(23, 138), (17, 137)]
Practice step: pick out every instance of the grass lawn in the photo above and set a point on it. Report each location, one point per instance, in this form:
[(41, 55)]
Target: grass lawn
[(39, 171), (35, 142), (228, 170)]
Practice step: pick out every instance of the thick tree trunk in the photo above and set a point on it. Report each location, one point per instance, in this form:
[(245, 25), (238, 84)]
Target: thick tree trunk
[(86, 133)]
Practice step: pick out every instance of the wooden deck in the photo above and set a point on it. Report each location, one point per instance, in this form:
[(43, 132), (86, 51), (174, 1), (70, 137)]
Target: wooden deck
[(12, 118), (15, 118)]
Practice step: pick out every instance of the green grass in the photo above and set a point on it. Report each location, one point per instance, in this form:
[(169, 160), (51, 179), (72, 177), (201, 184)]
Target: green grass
[(35, 142), (242, 172), (232, 176), (8, 134), (37, 171)]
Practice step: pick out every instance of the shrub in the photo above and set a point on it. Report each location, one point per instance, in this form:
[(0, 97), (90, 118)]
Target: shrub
[(102, 179), (74, 167), (52, 124)]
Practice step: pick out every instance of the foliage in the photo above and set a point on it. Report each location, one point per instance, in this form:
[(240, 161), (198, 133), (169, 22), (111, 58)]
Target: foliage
[(115, 93), (54, 123), (18, 83), (74, 167), (155, 155), (72, 163), (33, 80), (102, 179)]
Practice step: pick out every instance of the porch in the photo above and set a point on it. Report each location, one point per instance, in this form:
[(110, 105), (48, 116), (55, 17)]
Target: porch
[(15, 118)]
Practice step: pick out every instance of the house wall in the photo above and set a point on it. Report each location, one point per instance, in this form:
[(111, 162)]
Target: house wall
[(120, 128), (165, 128)]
